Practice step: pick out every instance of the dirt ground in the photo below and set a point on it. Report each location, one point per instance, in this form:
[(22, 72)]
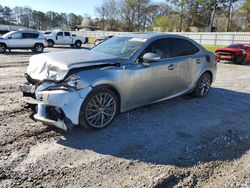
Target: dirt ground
[(183, 142)]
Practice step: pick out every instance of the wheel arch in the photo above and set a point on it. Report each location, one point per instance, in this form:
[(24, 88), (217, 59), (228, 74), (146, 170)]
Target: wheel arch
[(51, 40), (78, 40), (112, 88), (4, 44)]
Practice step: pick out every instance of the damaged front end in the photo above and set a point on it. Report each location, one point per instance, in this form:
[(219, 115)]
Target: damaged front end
[(56, 103), (55, 89)]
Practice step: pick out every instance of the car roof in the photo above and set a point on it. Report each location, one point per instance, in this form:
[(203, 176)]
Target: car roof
[(241, 44), (149, 35)]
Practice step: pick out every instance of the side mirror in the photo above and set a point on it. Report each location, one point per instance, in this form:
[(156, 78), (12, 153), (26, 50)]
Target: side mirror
[(9, 37), (151, 57)]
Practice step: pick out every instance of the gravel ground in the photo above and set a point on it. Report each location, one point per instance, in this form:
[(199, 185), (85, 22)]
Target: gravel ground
[(183, 142)]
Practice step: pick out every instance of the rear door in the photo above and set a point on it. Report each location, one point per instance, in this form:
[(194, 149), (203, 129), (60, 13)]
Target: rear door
[(29, 39), (59, 38), (67, 38), (188, 62)]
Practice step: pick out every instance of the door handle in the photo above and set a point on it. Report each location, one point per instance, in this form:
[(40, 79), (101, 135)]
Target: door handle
[(198, 61), (171, 67)]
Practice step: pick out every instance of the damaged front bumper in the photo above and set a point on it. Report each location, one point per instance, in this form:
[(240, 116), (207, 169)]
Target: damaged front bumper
[(60, 108)]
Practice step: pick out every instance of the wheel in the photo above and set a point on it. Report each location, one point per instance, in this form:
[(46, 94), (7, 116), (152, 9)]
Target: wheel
[(2, 48), (203, 85), (99, 109), (50, 43), (38, 48), (78, 44), (240, 59)]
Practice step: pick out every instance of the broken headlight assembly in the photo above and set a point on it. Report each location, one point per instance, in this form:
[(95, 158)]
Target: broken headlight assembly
[(74, 81)]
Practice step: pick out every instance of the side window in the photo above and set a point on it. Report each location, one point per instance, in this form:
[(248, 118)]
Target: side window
[(159, 47), (66, 34), (16, 35), (30, 35), (181, 47), (59, 34)]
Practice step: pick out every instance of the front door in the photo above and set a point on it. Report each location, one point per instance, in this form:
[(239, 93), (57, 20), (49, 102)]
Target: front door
[(15, 40), (157, 81)]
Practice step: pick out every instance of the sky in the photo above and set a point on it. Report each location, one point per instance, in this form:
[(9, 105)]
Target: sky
[(80, 7)]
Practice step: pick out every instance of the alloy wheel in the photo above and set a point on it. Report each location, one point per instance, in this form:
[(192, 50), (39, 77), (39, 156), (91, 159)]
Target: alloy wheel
[(100, 110), (39, 48), (2, 48), (204, 85)]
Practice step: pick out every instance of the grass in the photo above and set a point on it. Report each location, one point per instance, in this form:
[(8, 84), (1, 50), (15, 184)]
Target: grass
[(91, 40), (212, 48)]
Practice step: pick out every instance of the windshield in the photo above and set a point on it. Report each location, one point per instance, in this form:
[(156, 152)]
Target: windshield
[(6, 35), (237, 47), (123, 47)]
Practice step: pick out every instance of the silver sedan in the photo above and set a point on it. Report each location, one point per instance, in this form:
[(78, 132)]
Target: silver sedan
[(89, 87)]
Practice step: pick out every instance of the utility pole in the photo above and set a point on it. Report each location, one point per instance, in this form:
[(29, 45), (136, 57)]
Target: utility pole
[(213, 16), (103, 21)]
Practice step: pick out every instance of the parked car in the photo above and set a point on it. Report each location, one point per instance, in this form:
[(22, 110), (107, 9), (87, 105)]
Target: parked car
[(237, 53), (64, 38), (23, 40), (89, 87), (101, 39)]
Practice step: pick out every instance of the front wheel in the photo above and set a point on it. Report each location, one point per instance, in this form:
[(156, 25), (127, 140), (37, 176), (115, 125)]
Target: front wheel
[(240, 59), (203, 85), (99, 109), (2, 48)]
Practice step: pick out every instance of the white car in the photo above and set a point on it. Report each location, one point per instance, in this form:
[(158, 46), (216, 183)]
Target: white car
[(23, 40), (64, 38)]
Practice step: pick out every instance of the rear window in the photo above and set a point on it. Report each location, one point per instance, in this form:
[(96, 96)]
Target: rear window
[(181, 47), (30, 35)]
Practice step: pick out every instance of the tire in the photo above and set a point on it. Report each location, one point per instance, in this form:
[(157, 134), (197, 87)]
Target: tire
[(98, 115), (240, 59), (78, 44), (2, 48), (38, 48), (50, 43), (203, 85)]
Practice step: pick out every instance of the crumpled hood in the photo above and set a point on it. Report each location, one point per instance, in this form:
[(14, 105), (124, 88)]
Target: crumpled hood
[(56, 65)]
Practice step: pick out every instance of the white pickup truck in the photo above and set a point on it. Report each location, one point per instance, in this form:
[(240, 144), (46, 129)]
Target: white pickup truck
[(64, 38)]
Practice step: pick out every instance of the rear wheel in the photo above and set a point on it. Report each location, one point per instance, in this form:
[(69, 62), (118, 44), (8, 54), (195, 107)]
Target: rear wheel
[(2, 48), (203, 85), (38, 48), (78, 44), (99, 109)]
